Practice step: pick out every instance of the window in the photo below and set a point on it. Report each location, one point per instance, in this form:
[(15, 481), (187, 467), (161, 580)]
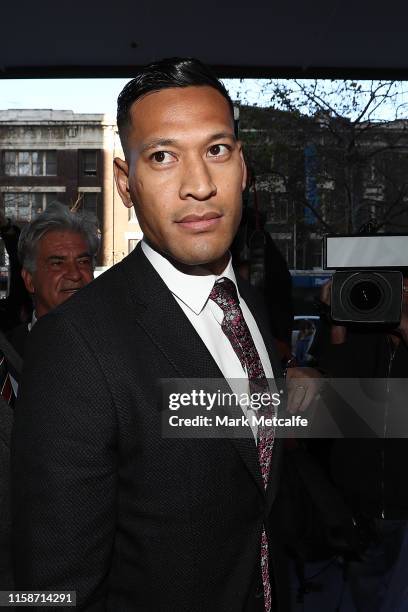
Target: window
[(51, 163), (132, 242), (278, 213), (24, 206), (317, 254), (90, 202), (30, 163), (89, 161)]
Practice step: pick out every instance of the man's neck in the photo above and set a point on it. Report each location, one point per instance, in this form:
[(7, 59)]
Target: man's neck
[(206, 269)]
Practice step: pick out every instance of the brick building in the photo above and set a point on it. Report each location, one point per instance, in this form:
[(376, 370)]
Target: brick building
[(48, 155)]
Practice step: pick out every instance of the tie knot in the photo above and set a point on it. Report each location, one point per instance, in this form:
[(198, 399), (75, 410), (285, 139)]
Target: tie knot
[(224, 293)]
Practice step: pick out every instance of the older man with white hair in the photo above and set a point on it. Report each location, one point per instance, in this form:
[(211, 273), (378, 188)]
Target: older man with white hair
[(57, 251)]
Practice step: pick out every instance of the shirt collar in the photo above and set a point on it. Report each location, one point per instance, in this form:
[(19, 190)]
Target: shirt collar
[(32, 322), (192, 290)]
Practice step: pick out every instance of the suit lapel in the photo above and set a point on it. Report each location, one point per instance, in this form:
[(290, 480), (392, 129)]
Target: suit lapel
[(164, 321)]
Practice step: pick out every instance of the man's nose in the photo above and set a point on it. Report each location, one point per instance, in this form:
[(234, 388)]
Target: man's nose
[(73, 271), (197, 182)]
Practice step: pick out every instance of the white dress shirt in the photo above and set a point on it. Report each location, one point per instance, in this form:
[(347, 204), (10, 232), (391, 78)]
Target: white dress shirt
[(192, 294)]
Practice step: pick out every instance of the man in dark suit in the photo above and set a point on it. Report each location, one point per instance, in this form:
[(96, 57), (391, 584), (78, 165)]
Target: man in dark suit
[(105, 503)]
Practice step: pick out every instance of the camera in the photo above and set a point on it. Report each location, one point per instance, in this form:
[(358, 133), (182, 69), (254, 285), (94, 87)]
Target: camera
[(368, 282)]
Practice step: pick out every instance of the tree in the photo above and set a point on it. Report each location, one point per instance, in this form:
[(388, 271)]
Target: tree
[(336, 150)]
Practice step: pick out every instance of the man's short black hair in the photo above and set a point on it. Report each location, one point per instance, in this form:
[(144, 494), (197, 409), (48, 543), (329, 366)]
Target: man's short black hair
[(165, 74)]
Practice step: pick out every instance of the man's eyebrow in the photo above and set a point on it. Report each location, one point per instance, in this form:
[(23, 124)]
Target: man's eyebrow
[(221, 135), (56, 257), (158, 142), (62, 257), (168, 142)]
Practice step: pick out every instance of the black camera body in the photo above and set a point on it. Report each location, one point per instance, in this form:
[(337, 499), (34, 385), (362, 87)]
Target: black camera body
[(367, 296), (367, 285)]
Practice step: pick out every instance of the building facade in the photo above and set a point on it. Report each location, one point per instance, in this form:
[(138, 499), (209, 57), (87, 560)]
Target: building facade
[(312, 175), (321, 175), (48, 155)]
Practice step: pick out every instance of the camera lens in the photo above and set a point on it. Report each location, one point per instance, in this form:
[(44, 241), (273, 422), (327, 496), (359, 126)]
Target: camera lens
[(370, 296), (365, 295)]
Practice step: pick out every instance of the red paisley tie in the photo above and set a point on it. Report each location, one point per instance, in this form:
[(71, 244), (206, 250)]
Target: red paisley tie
[(224, 293)]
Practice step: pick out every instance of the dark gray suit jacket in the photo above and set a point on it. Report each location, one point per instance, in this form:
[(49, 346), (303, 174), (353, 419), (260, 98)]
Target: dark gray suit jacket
[(14, 364), (6, 420), (104, 504)]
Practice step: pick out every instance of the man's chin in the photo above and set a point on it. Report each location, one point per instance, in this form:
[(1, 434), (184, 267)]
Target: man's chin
[(206, 261)]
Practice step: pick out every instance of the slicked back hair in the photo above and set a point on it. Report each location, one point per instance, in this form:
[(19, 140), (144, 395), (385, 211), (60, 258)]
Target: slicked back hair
[(166, 74), (56, 217)]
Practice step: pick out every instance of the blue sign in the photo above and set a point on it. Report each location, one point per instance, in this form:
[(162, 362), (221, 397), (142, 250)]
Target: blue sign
[(310, 281)]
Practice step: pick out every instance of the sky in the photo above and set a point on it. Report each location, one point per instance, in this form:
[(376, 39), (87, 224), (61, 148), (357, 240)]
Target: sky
[(85, 95), (78, 95), (100, 95)]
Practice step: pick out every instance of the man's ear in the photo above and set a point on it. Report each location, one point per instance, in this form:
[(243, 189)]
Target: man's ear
[(244, 169), (28, 280), (121, 172)]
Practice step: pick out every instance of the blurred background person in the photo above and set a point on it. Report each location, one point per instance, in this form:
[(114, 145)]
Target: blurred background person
[(17, 306), (57, 251), (370, 473)]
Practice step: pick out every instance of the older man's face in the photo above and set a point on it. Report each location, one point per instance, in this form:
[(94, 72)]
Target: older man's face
[(184, 174), (63, 266)]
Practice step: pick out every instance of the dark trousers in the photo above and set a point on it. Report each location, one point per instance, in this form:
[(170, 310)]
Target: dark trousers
[(371, 577)]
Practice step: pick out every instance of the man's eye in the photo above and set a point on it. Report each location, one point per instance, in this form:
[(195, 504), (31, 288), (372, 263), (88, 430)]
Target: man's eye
[(218, 150), (162, 157), (84, 261)]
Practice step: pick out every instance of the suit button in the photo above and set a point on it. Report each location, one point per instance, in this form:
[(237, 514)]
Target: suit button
[(259, 591)]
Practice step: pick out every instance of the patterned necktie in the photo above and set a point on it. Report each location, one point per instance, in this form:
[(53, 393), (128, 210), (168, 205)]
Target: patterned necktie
[(234, 326)]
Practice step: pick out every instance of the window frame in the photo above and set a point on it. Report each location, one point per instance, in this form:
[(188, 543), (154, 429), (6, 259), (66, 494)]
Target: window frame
[(44, 162), (83, 170)]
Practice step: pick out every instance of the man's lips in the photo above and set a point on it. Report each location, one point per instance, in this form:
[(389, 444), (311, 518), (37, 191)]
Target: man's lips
[(197, 222)]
